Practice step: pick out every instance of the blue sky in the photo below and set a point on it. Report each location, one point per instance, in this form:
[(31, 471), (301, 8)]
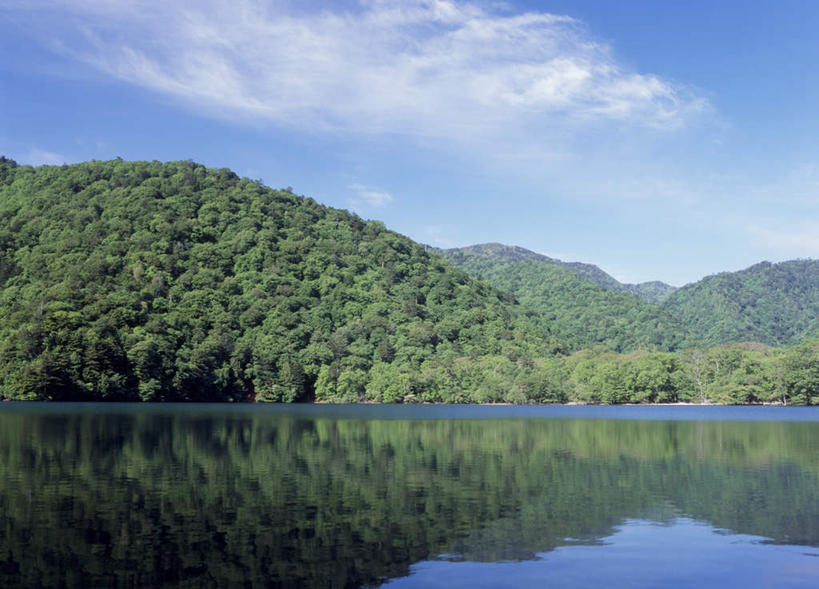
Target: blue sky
[(658, 140)]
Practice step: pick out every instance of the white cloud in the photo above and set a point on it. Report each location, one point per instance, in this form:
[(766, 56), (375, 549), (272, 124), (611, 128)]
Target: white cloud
[(41, 157), (369, 198), (798, 241), (439, 236), (428, 68), (376, 199)]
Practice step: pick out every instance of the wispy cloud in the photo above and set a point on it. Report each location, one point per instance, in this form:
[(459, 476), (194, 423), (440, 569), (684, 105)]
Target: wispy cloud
[(428, 68), (799, 241), (439, 236), (369, 198), (376, 199), (40, 157)]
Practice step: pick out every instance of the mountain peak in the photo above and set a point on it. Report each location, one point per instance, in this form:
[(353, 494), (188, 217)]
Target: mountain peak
[(653, 292), (504, 253)]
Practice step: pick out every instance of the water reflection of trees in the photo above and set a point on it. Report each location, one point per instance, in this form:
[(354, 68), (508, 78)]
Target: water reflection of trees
[(170, 498)]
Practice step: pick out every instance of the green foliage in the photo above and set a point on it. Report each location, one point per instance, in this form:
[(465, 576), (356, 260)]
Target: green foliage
[(653, 292), (149, 497), (777, 304), (796, 377), (731, 374), (168, 282), (640, 377), (780, 300), (586, 314), (159, 282)]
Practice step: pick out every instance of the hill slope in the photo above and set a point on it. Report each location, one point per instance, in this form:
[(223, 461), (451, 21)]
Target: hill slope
[(587, 314), (653, 292), (143, 280), (777, 304)]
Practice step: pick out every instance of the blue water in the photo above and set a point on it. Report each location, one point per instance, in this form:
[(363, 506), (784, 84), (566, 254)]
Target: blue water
[(99, 495), (403, 412), (640, 553)]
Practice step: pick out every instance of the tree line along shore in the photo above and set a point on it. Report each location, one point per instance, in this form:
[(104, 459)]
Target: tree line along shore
[(129, 281)]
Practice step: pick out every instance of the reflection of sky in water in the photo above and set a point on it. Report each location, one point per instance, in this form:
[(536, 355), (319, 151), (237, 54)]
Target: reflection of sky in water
[(205, 495), (685, 553)]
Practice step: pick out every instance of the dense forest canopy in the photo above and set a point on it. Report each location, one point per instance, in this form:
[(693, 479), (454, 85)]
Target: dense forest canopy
[(777, 304), (653, 292), (587, 314), (143, 280), (150, 281)]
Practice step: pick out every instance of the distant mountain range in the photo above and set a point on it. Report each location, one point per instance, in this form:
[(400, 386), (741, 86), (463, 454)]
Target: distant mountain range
[(589, 307), (653, 292), (776, 304)]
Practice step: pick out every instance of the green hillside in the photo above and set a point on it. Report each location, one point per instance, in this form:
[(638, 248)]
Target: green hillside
[(172, 282), (777, 304), (653, 292), (587, 314), (143, 280)]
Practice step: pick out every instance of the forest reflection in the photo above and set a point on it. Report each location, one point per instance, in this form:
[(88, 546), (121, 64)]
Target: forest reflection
[(278, 499)]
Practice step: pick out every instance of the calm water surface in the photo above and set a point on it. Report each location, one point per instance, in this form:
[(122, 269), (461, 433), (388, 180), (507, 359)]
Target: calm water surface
[(351, 496)]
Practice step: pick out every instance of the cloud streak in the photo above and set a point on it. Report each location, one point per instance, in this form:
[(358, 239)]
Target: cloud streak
[(367, 199), (798, 241), (371, 198), (427, 68), (41, 157)]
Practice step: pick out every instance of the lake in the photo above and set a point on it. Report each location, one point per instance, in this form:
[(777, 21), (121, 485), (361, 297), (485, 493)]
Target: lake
[(407, 496)]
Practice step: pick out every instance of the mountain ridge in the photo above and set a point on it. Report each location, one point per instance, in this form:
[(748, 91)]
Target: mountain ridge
[(125, 281), (775, 303), (588, 313), (171, 281), (653, 291)]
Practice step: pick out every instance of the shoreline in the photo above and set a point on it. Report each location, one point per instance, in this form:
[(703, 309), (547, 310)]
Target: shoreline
[(371, 403)]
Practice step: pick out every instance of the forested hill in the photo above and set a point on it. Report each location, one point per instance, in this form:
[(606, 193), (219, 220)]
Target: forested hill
[(777, 304), (587, 314), (653, 292), (143, 280)]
